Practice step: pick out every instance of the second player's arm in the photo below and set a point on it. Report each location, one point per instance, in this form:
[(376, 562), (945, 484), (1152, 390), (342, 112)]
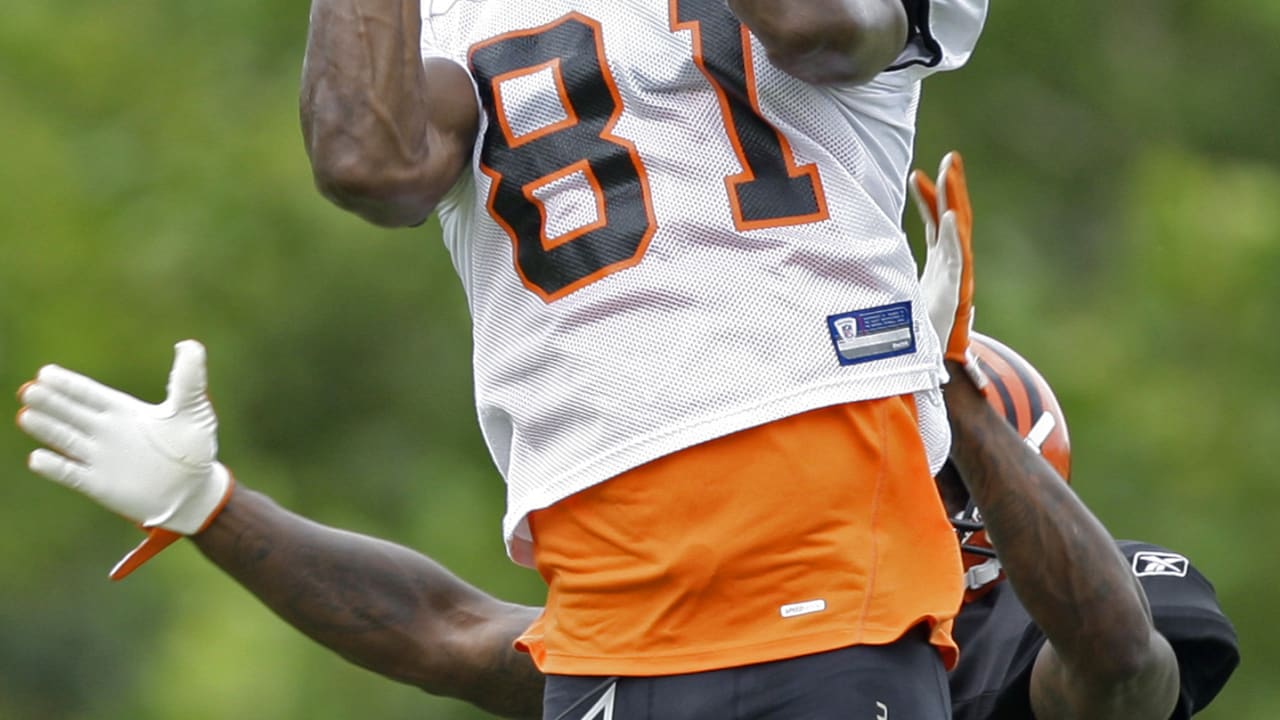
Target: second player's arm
[(1104, 658), (386, 133), (827, 41), (379, 605)]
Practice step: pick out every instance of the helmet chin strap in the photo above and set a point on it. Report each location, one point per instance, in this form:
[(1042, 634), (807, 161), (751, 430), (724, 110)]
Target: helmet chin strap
[(966, 523), (982, 574)]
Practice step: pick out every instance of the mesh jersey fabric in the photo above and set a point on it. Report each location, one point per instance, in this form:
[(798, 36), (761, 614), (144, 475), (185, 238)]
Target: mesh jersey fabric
[(999, 642), (660, 229)]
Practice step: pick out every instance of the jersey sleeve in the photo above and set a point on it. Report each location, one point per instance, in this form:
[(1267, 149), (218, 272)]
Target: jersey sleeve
[(436, 25), (1186, 612), (999, 642), (941, 35), (437, 40)]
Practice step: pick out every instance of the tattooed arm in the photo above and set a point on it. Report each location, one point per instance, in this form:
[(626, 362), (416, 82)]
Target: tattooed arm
[(377, 604), (1103, 658)]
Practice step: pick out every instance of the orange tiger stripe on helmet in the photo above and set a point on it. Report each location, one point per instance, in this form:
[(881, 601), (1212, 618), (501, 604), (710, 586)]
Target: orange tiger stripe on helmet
[(1020, 393)]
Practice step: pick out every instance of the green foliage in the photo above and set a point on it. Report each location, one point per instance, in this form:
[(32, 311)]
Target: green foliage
[(1123, 161)]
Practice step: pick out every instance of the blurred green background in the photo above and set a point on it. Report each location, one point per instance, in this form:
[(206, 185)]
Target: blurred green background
[(153, 186)]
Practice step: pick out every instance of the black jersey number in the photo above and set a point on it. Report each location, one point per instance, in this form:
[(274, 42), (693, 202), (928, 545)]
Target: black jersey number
[(771, 190), (574, 153)]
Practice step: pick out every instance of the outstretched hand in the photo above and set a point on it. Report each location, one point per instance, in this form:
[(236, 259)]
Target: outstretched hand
[(947, 280), (154, 464)]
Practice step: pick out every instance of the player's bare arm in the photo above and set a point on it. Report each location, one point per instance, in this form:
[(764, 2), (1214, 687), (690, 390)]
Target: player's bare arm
[(387, 134), (1103, 658), (379, 605), (827, 41)]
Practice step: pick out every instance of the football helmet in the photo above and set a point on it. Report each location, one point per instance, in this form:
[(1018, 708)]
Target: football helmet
[(1022, 396)]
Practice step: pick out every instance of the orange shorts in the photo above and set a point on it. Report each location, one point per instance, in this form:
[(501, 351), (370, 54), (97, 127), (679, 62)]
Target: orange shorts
[(815, 532)]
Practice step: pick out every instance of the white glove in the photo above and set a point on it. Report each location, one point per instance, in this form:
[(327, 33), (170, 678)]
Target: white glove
[(154, 464), (947, 279)]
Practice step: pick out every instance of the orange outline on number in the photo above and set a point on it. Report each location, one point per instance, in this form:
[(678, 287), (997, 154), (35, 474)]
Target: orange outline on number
[(731, 130), (571, 117), (602, 217), (606, 134)]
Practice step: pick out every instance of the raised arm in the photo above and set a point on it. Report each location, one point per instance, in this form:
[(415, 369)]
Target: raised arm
[(387, 134), (827, 41), (1103, 658), (379, 605)]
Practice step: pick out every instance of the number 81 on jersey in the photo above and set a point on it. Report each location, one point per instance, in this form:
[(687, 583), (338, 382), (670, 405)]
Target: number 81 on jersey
[(526, 164)]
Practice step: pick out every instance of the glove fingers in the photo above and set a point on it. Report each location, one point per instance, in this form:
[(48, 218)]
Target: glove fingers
[(952, 248), (39, 396), (944, 169), (53, 432), (925, 196), (188, 380), (960, 252), (949, 247), (52, 466), (79, 388), (953, 188)]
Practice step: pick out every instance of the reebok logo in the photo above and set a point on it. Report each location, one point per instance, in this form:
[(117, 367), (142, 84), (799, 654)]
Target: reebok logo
[(1146, 564)]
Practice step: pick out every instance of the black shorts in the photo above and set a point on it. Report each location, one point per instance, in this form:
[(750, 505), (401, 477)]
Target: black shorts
[(901, 681)]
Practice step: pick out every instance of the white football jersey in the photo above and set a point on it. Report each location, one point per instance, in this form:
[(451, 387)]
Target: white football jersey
[(664, 239)]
